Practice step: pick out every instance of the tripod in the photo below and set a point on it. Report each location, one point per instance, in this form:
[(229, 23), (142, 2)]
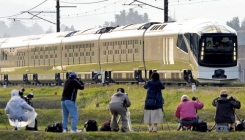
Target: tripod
[(129, 120), (3, 121), (215, 123)]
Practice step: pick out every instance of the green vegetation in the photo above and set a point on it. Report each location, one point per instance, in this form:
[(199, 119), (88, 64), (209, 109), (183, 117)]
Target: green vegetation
[(47, 103)]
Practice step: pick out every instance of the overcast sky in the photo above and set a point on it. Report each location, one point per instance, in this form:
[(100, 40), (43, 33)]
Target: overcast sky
[(86, 16)]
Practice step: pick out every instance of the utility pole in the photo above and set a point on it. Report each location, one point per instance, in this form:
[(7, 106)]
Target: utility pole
[(58, 16), (165, 10)]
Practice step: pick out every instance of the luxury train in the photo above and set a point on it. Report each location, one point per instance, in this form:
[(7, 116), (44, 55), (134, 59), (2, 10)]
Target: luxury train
[(196, 51)]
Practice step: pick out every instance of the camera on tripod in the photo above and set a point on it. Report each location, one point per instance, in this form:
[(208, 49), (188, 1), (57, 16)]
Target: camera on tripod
[(194, 98), (232, 98), (27, 98)]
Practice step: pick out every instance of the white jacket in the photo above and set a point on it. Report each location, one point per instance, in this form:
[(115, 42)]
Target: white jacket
[(18, 109)]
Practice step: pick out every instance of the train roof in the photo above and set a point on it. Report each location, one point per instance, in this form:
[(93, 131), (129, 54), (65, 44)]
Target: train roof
[(204, 26), (199, 26), (49, 39)]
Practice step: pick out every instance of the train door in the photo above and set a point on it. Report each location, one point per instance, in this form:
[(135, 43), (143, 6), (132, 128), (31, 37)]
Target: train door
[(76, 56), (46, 57), (82, 54), (52, 55), (94, 52), (110, 56), (70, 54), (116, 55), (104, 52), (123, 51), (87, 53), (130, 50), (42, 55)]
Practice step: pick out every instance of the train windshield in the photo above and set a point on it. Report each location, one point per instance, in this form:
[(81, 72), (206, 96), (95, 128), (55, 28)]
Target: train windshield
[(218, 51)]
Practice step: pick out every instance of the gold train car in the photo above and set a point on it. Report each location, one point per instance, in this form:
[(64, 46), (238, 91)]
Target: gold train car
[(196, 51)]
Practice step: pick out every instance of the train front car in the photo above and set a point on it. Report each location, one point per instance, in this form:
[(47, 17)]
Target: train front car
[(214, 49)]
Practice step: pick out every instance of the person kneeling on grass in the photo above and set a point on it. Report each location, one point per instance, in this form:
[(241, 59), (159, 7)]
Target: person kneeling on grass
[(225, 109), (20, 113), (186, 111), (118, 106)]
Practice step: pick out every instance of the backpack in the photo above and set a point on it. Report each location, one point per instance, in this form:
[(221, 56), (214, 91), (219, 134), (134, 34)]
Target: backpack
[(240, 125), (201, 126), (56, 127), (106, 126), (91, 125)]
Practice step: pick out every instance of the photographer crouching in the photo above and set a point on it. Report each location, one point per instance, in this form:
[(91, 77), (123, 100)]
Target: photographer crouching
[(186, 111), (118, 106), (20, 113), (225, 109)]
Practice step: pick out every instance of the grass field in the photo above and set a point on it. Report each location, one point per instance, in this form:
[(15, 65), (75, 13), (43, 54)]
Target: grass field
[(47, 103)]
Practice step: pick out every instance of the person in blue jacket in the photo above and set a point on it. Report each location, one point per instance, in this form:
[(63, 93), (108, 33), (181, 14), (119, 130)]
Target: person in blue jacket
[(154, 114)]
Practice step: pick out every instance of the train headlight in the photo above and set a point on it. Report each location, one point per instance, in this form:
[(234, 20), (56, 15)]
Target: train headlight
[(201, 57), (234, 57)]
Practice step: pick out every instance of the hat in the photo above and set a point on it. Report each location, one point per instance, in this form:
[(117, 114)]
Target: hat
[(184, 97), (14, 93), (73, 75), (223, 93)]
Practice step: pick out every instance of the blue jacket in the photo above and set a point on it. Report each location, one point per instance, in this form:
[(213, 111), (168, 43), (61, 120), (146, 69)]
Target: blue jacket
[(154, 92)]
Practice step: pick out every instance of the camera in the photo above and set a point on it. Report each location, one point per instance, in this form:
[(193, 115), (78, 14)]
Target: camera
[(194, 98), (232, 98), (27, 98)]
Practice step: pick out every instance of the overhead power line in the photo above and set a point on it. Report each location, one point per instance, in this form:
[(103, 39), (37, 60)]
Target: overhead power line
[(26, 11), (83, 3)]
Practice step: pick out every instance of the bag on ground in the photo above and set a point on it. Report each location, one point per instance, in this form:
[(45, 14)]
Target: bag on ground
[(106, 126), (91, 125), (201, 126), (240, 125), (56, 127)]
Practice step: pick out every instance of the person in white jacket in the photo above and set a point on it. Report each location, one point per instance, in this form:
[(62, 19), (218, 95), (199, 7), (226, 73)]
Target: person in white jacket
[(20, 113)]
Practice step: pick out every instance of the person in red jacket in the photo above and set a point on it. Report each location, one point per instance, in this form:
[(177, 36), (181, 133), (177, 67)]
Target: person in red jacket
[(186, 111)]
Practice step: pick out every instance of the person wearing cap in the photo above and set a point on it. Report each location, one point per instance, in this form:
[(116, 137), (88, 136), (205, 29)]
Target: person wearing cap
[(118, 106), (225, 109), (186, 111), (68, 102), (20, 113)]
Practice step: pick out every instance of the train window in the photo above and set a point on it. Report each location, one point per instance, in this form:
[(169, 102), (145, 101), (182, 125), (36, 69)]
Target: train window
[(161, 27), (136, 50), (181, 43)]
